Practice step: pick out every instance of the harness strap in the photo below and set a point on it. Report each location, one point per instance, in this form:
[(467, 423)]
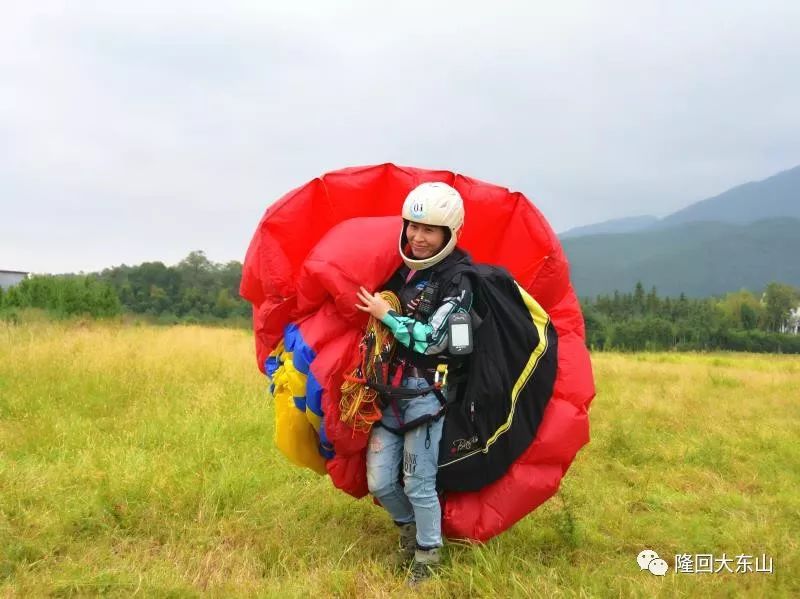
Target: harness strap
[(388, 392), (425, 418), (410, 426)]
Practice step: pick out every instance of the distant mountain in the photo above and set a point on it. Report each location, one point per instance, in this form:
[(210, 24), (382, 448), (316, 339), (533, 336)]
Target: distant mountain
[(618, 225), (699, 259), (777, 196)]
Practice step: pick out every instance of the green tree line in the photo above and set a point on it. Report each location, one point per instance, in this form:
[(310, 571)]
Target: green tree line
[(199, 290), (65, 295), (740, 321), (194, 290)]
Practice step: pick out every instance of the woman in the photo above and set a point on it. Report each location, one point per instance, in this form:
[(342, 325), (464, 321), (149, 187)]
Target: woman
[(433, 214)]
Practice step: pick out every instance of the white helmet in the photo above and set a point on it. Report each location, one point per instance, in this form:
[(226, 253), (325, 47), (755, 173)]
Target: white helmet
[(432, 204)]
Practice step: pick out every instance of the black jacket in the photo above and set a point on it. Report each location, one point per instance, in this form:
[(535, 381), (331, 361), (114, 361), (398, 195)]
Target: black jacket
[(422, 335)]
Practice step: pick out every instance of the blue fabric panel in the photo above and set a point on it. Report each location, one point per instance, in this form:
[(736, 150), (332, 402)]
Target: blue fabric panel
[(325, 446), (302, 353), (303, 356), (313, 395), (272, 364), (290, 334)]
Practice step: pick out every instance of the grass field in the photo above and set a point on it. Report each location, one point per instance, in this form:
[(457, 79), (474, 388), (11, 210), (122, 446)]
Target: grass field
[(139, 461)]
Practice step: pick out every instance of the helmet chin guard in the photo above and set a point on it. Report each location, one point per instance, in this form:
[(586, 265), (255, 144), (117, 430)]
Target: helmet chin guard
[(436, 204)]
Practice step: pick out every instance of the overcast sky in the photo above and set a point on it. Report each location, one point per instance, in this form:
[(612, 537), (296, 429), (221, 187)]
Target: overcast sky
[(135, 131)]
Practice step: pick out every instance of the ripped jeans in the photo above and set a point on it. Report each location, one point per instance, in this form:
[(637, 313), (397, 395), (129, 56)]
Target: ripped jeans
[(418, 451)]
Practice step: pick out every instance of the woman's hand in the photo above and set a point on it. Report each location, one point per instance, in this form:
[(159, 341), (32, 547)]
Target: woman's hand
[(374, 304)]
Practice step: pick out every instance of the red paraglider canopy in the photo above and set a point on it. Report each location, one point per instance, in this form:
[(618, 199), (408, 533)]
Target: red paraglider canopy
[(312, 249)]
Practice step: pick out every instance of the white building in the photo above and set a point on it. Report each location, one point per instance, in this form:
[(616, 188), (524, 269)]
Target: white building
[(793, 322), (9, 278)]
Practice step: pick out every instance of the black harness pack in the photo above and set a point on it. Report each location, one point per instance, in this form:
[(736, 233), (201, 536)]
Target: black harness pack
[(508, 381)]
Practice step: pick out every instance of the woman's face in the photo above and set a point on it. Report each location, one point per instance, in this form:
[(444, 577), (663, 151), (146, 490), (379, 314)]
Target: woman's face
[(425, 240)]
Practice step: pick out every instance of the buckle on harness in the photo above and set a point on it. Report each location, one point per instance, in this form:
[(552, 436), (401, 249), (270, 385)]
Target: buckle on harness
[(441, 373)]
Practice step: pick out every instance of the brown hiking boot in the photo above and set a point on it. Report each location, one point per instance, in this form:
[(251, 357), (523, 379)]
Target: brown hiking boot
[(426, 562)]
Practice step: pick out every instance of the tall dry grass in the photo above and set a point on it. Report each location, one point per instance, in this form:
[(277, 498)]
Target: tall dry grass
[(139, 461)]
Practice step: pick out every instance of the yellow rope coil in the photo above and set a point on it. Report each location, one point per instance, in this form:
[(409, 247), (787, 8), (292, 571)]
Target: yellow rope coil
[(358, 407)]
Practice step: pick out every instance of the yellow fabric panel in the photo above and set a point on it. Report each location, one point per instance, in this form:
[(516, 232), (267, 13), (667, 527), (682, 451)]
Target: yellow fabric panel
[(295, 437), (313, 420), (297, 384), (296, 379)]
